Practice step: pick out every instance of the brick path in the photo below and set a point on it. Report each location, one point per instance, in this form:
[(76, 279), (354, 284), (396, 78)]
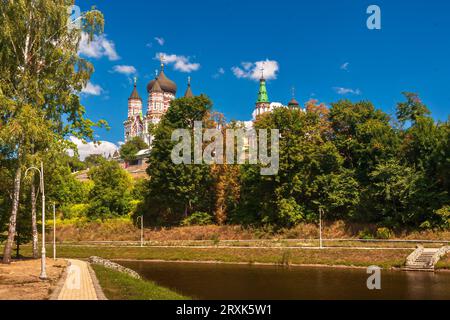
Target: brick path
[(78, 284)]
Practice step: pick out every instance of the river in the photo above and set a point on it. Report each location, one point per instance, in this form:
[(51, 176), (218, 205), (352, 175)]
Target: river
[(241, 282)]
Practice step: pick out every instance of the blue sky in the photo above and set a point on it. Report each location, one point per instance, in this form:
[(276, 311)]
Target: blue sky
[(322, 48)]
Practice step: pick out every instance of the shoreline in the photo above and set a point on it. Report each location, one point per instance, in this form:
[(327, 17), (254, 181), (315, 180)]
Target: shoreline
[(262, 264)]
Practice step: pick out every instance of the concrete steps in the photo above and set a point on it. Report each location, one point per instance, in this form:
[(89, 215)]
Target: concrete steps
[(424, 259)]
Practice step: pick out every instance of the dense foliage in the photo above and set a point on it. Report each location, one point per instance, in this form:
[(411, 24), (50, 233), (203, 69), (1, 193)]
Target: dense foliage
[(351, 160), (130, 148)]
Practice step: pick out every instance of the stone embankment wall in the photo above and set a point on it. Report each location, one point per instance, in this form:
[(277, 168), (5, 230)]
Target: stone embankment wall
[(114, 266)]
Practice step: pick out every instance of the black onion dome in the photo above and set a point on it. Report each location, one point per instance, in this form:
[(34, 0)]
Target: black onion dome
[(166, 84), (156, 87)]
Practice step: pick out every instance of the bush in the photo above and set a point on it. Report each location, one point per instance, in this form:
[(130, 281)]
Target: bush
[(75, 211), (384, 233), (444, 216), (198, 219), (365, 234)]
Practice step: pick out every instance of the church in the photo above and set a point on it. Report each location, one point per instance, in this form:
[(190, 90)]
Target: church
[(161, 91)]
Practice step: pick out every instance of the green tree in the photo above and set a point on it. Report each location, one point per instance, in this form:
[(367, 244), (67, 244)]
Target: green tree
[(426, 148), (94, 160), (412, 109), (176, 191), (309, 174), (393, 192), (130, 148), (363, 135), (41, 74), (111, 195)]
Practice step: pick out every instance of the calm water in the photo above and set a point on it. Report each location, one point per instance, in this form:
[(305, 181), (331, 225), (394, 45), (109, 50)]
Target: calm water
[(216, 281)]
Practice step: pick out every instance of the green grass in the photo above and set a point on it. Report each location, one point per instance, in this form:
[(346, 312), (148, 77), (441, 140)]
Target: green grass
[(444, 263), (119, 286), (345, 257)]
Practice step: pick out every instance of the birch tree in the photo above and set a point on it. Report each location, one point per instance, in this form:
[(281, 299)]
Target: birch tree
[(41, 75)]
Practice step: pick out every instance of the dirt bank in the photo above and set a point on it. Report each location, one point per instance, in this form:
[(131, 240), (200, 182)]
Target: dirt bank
[(20, 280)]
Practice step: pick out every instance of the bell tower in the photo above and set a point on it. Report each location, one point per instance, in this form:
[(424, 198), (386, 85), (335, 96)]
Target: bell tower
[(134, 102), (263, 103)]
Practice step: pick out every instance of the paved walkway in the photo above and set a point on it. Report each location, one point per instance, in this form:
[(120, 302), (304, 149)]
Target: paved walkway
[(78, 284)]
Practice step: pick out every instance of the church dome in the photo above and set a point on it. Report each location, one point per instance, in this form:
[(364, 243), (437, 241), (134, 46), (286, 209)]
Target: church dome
[(166, 84), (293, 103), (156, 87)]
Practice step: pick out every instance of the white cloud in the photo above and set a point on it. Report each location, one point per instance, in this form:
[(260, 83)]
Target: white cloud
[(124, 69), (344, 91), (104, 148), (92, 89), (180, 63), (160, 40), (220, 72), (247, 65), (345, 66), (253, 70), (99, 47)]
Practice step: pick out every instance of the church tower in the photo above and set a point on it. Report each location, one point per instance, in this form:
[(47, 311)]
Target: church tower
[(188, 93), (263, 103), (134, 125), (161, 91), (134, 102), (293, 104)]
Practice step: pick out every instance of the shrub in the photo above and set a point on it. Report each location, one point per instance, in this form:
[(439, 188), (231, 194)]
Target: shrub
[(426, 225), (444, 216), (365, 234), (75, 211), (384, 233), (198, 219)]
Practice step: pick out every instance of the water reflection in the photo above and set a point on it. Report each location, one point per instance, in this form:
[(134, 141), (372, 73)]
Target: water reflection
[(217, 281)]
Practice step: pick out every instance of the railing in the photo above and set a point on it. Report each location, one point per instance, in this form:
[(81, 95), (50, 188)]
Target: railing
[(416, 254), (438, 255)]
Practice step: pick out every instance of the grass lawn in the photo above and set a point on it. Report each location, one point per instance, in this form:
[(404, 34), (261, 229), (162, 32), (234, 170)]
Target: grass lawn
[(119, 286), (444, 263), (345, 257)]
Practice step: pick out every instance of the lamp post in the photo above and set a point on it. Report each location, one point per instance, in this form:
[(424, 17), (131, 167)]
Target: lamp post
[(141, 218), (43, 275), (320, 227), (54, 231)]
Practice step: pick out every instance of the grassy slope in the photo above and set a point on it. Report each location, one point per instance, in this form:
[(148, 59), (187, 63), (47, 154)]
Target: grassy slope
[(125, 230), (119, 286), (444, 263), (347, 257)]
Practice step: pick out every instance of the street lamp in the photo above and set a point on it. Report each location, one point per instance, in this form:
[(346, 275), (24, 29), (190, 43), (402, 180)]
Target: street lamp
[(43, 275), (320, 227), (54, 231), (141, 218)]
